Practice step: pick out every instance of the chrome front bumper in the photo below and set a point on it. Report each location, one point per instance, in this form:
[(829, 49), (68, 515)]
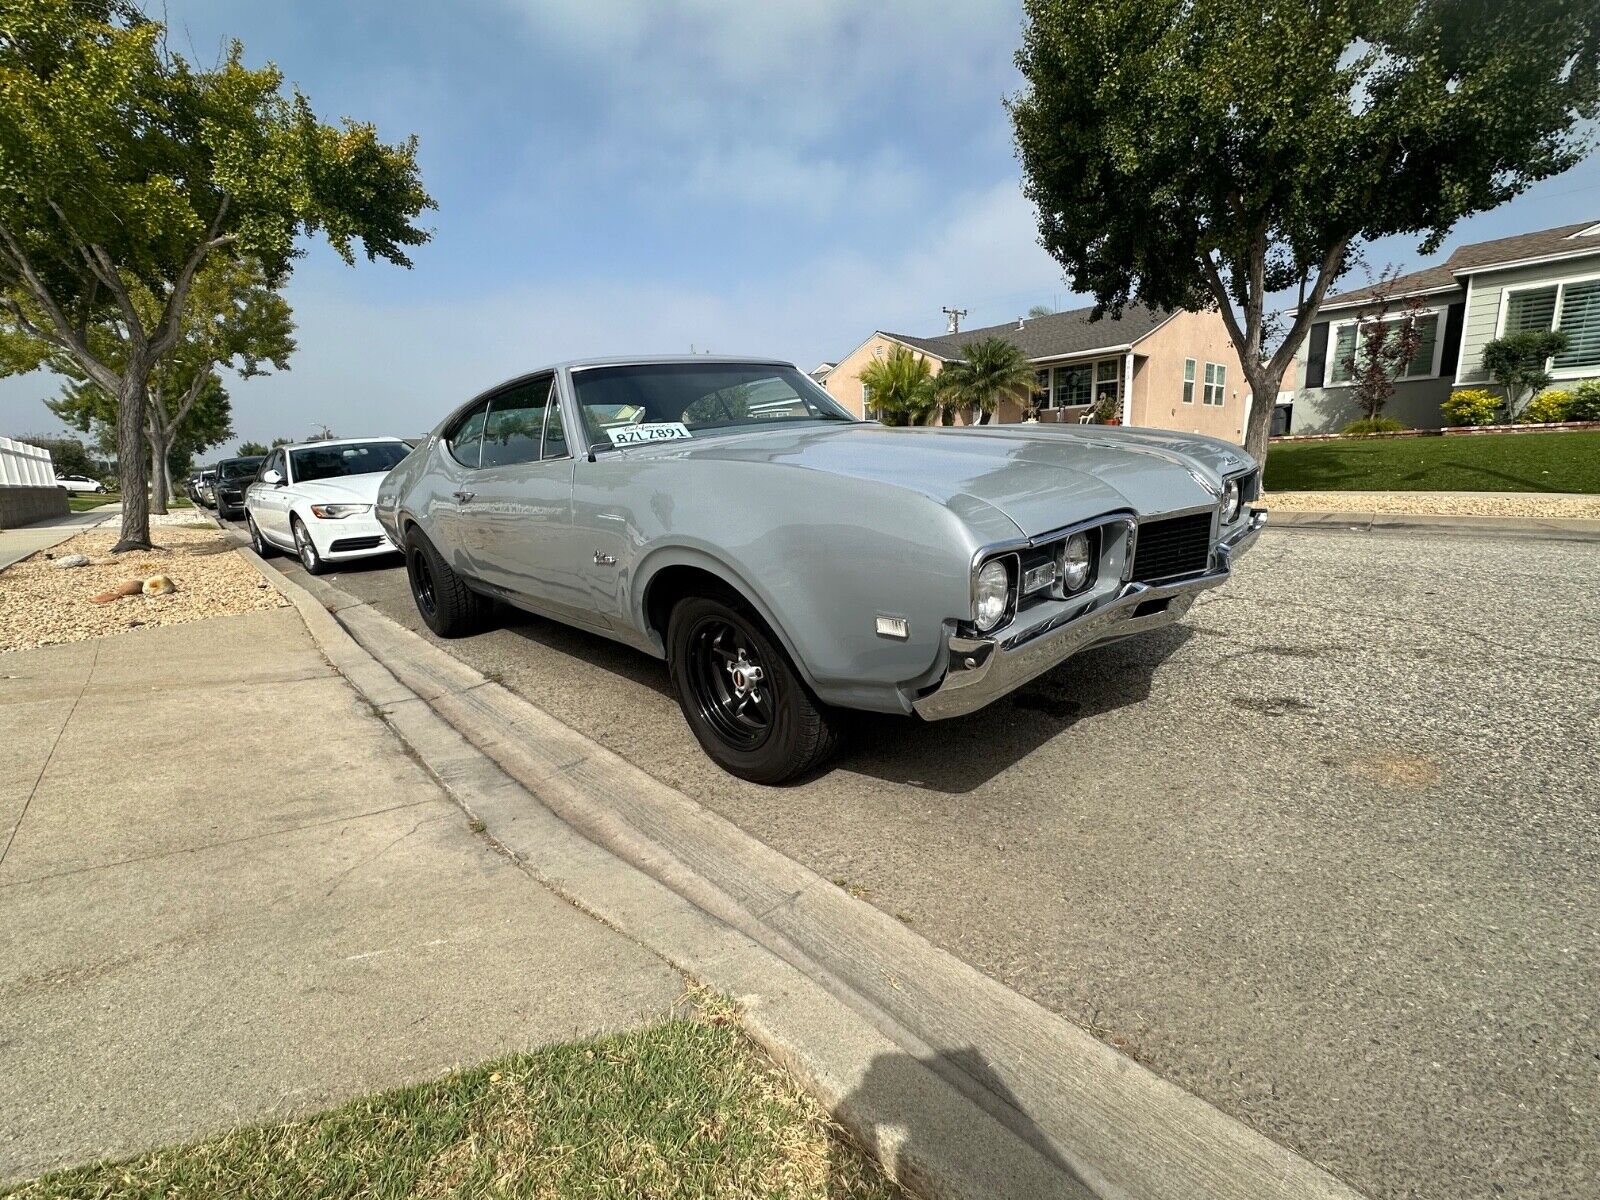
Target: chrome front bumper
[(981, 670)]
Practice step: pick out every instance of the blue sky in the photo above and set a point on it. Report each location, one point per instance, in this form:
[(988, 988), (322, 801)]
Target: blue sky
[(775, 178)]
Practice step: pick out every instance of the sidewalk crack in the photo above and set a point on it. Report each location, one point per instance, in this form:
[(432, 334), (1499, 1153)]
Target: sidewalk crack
[(50, 757)]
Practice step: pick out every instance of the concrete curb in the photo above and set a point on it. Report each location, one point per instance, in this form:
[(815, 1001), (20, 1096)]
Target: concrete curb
[(960, 1087), (1552, 529)]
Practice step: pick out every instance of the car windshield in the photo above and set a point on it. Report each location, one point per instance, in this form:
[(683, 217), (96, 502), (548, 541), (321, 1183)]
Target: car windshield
[(239, 468), (349, 458), (652, 402)]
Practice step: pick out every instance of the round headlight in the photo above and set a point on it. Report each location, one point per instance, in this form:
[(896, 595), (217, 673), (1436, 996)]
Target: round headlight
[(1075, 562), (1230, 501), (994, 592)]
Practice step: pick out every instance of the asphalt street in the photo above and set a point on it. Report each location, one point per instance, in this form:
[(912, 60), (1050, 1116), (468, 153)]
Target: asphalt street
[(1326, 854)]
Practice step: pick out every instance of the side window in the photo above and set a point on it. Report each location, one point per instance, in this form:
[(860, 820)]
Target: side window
[(465, 440), (516, 424), (555, 433)]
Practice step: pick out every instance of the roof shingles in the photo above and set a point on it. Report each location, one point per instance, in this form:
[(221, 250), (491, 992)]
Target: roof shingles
[(1054, 336)]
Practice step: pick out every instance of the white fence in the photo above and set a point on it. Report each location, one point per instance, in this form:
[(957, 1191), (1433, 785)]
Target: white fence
[(22, 465)]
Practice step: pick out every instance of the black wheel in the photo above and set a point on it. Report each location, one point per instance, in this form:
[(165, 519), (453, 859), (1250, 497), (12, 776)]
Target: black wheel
[(306, 548), (258, 543), (746, 704), (449, 607)]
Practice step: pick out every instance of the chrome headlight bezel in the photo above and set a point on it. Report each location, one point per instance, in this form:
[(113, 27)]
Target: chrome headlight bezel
[(1077, 570), (991, 595), (1232, 501)]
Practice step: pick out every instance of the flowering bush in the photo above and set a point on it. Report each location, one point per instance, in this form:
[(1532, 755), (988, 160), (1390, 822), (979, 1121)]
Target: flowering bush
[(1471, 407)]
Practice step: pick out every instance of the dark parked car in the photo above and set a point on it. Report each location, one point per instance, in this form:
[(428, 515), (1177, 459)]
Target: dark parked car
[(233, 476)]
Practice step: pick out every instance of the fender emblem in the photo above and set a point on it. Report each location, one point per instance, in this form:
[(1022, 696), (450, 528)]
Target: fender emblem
[(604, 560)]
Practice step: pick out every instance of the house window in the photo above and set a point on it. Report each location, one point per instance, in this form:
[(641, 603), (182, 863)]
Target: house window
[(869, 410), (1074, 385), (1107, 379), (1041, 389), (1572, 306), (1423, 363), (1188, 380), (1215, 392)]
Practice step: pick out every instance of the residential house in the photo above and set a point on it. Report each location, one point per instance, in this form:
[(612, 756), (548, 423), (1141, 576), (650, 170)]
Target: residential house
[(1172, 370), (1544, 280)]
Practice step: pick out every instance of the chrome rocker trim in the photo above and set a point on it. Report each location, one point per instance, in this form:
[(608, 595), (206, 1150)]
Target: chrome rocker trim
[(982, 670)]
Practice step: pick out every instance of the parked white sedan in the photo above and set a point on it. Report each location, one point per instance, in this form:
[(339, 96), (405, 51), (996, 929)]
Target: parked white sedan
[(315, 501), (79, 483)]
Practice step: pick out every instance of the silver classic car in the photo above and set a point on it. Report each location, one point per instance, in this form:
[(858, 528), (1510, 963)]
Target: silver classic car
[(788, 560)]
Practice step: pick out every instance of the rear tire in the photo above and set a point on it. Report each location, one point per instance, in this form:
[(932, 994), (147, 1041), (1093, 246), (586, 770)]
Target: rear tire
[(446, 604), (743, 699)]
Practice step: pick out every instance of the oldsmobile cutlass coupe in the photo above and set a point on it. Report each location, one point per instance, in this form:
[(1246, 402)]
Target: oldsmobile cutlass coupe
[(788, 560)]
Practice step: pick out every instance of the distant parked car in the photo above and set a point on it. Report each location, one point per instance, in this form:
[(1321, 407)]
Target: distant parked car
[(788, 560), (191, 485), (79, 483), (206, 488), (233, 476), (315, 501)]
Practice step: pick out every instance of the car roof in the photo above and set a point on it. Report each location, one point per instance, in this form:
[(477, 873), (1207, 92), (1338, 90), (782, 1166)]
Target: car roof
[(340, 442)]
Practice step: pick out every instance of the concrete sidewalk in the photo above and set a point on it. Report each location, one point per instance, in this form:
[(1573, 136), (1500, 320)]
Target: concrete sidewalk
[(17, 544), (230, 895)]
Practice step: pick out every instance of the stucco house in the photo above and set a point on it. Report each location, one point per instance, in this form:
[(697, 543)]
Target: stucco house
[(1172, 370), (1544, 280)]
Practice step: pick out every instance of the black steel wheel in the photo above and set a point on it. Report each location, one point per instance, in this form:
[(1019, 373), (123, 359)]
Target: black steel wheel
[(446, 604), (743, 699)]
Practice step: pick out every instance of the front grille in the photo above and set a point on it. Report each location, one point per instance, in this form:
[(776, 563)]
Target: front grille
[(355, 543), (1172, 548)]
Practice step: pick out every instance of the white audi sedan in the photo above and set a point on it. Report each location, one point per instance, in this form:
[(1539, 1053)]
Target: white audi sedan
[(315, 501)]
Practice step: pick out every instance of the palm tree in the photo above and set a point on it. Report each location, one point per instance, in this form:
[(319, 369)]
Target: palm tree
[(901, 387), (992, 368)]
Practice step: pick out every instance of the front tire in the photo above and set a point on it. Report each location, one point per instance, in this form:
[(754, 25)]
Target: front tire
[(262, 547), (743, 699), (446, 604), (305, 548)]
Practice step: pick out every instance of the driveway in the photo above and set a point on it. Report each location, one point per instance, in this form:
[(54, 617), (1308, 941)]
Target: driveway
[(1325, 855)]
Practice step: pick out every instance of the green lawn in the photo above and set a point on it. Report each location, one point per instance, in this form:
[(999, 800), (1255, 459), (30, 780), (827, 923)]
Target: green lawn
[(1511, 462), (683, 1109), (88, 500)]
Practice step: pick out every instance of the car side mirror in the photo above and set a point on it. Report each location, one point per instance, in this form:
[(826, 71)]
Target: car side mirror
[(272, 477)]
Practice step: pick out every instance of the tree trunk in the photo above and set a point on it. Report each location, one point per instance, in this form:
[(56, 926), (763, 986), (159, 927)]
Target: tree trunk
[(158, 476), (1263, 400), (166, 472), (133, 468)]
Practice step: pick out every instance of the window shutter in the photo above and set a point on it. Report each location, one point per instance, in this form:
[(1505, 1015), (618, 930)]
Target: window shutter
[(1317, 355), (1453, 318)]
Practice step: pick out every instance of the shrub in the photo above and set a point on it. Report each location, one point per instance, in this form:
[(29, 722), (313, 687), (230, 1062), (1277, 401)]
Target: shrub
[(1585, 404), (1374, 425), (1471, 407), (1547, 408)]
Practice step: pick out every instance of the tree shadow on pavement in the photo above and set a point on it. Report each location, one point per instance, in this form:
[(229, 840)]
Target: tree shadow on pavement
[(919, 1127), (964, 753)]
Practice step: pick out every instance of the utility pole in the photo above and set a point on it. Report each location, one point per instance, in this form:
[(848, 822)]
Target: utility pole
[(955, 315)]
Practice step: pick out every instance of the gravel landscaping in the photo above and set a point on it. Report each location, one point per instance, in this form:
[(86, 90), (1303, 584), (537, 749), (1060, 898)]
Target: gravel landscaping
[(1472, 504), (42, 604)]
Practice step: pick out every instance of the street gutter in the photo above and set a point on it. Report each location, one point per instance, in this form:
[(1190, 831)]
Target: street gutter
[(1550, 529), (991, 1094)]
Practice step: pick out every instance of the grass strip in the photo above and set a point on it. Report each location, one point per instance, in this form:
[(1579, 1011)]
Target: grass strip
[(1510, 462)]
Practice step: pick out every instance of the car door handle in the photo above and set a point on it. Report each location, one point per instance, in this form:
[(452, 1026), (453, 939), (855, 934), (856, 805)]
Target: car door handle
[(465, 497)]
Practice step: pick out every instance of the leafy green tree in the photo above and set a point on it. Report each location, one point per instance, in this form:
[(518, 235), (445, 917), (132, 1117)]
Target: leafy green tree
[(901, 385), (250, 450), (233, 319), (1040, 310), (124, 170), (282, 441), (1519, 363), (69, 455), (1213, 153), (990, 369)]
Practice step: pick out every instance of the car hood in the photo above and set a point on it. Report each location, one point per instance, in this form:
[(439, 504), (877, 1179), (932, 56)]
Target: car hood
[(1041, 477), (347, 489)]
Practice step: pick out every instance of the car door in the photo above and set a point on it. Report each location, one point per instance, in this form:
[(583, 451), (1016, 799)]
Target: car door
[(444, 490), (520, 514), (269, 503)]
